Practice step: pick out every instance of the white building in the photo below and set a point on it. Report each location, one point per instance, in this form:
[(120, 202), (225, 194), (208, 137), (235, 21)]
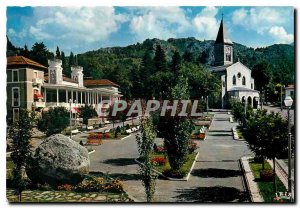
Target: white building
[(236, 78)]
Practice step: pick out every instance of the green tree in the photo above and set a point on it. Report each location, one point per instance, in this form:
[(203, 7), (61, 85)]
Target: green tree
[(146, 69), (176, 130), (160, 61), (202, 59), (40, 53), (262, 74), (145, 142), (54, 121), (57, 53), (63, 60), (20, 133), (86, 112), (266, 135), (176, 62), (25, 52), (188, 56)]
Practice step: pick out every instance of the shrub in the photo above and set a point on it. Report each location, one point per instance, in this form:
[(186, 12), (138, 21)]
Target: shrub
[(158, 161), (266, 175), (54, 121), (65, 187), (95, 136)]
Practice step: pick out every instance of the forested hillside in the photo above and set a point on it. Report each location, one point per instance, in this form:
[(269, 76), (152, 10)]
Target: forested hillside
[(132, 66)]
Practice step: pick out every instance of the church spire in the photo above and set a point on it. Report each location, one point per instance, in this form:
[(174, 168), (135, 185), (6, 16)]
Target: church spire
[(222, 36)]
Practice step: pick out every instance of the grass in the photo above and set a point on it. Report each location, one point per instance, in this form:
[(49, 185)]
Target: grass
[(265, 188), (184, 170), (240, 132)]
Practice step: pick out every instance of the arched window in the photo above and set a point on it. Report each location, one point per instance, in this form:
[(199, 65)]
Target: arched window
[(244, 80), (234, 80)]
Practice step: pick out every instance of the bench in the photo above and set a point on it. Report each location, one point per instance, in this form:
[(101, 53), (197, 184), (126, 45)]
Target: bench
[(107, 122), (75, 131), (129, 131), (138, 127), (133, 129), (106, 130), (90, 127)]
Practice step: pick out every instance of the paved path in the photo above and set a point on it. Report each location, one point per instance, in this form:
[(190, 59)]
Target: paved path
[(216, 176)]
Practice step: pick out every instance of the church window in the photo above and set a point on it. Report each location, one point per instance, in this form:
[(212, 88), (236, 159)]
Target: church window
[(251, 86), (239, 75), (244, 80), (223, 83), (234, 80)]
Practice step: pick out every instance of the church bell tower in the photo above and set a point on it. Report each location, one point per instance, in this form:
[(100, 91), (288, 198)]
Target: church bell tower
[(223, 47)]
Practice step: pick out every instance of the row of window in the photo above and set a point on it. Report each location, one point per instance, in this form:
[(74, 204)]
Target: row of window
[(234, 80), (16, 78)]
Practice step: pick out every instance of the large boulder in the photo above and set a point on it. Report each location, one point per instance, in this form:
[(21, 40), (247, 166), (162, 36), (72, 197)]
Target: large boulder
[(58, 160)]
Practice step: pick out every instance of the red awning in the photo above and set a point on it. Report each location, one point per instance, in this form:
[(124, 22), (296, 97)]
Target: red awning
[(76, 110), (38, 96)]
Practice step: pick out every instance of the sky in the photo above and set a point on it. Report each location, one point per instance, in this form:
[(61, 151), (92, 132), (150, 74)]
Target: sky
[(81, 29)]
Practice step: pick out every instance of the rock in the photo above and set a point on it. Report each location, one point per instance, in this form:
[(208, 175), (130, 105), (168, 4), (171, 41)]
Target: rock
[(58, 160)]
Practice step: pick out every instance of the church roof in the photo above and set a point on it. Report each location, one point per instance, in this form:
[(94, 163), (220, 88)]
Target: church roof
[(222, 36), (244, 89), (219, 68)]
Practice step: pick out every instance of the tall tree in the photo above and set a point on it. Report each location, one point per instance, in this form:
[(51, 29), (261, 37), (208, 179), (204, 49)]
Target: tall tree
[(202, 59), (146, 69), (262, 74), (86, 112), (160, 61), (25, 52), (188, 56), (40, 53), (63, 60), (176, 61), (57, 53), (145, 141), (20, 134)]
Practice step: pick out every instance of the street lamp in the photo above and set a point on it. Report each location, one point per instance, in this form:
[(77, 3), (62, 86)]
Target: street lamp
[(207, 104), (70, 102), (288, 102)]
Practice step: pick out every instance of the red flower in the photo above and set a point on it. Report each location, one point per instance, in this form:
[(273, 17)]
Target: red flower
[(159, 161)]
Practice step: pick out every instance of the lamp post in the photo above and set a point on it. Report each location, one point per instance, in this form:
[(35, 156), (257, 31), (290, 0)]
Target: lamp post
[(70, 102), (288, 102), (207, 104)]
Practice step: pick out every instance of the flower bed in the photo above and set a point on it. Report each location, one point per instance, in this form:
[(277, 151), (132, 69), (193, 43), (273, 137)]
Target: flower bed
[(166, 168)]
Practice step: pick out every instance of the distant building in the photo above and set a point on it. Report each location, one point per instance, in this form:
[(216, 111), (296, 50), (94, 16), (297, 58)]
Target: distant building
[(30, 87), (290, 91), (236, 79)]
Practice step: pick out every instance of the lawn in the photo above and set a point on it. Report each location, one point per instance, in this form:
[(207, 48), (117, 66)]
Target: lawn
[(265, 188), (184, 169)]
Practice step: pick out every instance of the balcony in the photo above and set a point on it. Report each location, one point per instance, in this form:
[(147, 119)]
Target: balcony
[(37, 81), (38, 104)]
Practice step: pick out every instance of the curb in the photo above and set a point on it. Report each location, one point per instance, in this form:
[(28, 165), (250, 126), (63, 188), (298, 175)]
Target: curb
[(251, 186), (174, 179), (235, 135), (91, 152)]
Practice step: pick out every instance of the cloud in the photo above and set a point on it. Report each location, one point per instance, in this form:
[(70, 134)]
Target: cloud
[(206, 23), (261, 19), (158, 22), (280, 35), (76, 24)]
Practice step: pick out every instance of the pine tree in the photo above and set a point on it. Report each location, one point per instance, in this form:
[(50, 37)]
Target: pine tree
[(146, 69), (58, 55), (188, 56), (25, 52), (176, 61), (20, 134), (202, 59), (160, 61), (63, 60)]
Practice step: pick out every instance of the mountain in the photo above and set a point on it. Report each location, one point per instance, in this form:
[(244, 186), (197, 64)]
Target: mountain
[(106, 62)]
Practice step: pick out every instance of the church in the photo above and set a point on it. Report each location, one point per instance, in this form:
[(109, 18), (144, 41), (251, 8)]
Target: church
[(236, 79)]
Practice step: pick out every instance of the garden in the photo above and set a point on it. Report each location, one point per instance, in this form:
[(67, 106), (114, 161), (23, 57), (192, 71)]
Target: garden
[(160, 162)]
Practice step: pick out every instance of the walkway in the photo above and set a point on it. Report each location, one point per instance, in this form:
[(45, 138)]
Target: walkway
[(216, 176)]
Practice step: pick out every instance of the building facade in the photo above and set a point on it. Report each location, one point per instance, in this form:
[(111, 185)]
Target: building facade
[(30, 87), (236, 79)]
